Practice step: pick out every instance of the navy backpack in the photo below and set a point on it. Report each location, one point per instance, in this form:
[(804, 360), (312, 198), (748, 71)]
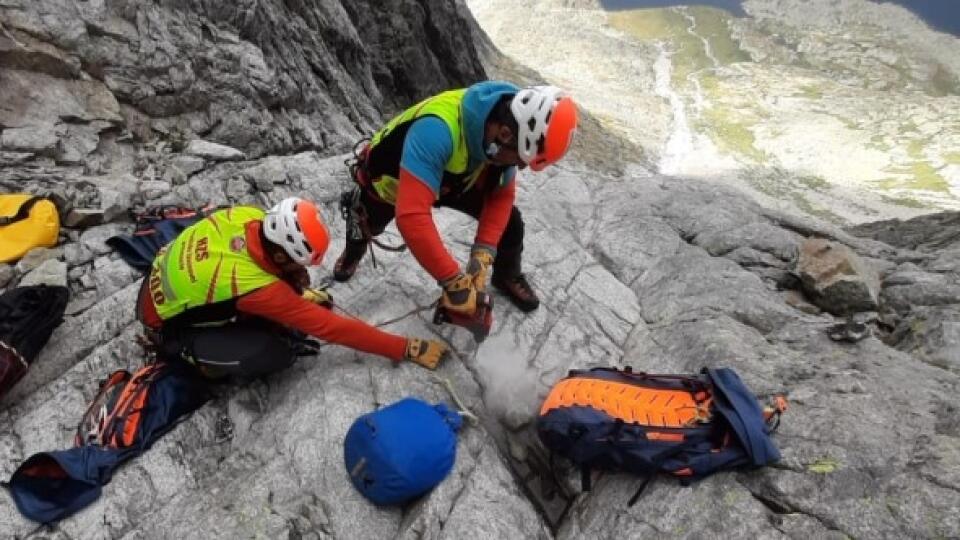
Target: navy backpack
[(689, 426), (129, 413)]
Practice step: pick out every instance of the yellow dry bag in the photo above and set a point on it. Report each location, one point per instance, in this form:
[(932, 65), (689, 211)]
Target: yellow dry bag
[(26, 221)]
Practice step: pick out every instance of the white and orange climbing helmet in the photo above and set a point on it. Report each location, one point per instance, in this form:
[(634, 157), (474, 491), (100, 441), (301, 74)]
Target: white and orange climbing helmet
[(546, 120), (296, 226)]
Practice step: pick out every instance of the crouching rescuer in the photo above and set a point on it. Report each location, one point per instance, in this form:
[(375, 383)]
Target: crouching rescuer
[(460, 149), (231, 295)]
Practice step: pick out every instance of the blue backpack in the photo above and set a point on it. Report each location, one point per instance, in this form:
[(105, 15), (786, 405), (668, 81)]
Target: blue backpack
[(130, 413), (689, 426), (401, 451)]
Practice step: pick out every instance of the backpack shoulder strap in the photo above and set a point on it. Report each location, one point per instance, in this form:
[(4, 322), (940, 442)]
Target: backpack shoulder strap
[(130, 402), (23, 212)]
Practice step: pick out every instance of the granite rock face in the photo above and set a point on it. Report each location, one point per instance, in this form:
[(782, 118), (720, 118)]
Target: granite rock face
[(637, 269), (922, 292), (263, 77)]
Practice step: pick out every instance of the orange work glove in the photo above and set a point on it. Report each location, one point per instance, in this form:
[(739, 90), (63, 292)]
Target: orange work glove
[(427, 353)]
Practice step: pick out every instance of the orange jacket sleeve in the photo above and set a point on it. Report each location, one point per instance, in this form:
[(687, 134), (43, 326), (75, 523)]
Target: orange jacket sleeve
[(279, 303), (495, 215), (415, 222)]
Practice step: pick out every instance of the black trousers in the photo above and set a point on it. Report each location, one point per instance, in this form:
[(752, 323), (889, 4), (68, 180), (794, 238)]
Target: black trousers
[(250, 347), (506, 265)]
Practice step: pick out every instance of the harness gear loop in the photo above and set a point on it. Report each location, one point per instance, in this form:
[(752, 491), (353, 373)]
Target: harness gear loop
[(356, 163)]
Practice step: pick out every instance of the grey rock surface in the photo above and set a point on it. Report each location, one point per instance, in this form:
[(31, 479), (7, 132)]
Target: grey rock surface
[(262, 77), (35, 257), (663, 274), (37, 140), (6, 274), (625, 282), (49, 272), (922, 293), (930, 232)]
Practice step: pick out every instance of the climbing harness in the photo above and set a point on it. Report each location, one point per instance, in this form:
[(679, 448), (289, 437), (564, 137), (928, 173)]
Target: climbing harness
[(351, 207)]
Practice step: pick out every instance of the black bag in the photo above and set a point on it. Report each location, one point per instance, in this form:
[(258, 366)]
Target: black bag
[(28, 315)]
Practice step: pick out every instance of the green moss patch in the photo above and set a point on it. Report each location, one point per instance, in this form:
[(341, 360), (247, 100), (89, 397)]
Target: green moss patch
[(943, 82), (825, 465), (811, 91), (731, 134), (649, 24), (877, 142), (917, 176), (905, 201), (688, 52), (812, 209), (714, 25), (815, 183), (915, 148)]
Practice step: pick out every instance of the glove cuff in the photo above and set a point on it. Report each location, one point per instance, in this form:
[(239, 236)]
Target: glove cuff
[(444, 283), (492, 250)]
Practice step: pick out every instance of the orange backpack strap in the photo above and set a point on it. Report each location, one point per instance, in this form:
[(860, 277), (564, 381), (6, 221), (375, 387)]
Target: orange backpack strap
[(92, 423), (120, 426)]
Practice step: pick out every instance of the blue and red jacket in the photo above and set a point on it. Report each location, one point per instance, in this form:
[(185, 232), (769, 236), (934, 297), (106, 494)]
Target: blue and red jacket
[(417, 152)]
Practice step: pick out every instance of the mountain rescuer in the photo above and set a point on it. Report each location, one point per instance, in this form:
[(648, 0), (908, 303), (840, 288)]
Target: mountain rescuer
[(231, 293), (459, 149)]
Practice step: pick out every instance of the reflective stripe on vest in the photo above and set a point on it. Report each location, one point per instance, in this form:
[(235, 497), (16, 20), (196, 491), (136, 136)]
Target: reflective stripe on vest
[(207, 263), (445, 106)]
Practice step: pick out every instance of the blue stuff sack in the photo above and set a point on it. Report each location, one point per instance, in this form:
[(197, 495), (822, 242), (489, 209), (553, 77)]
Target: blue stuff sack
[(401, 451)]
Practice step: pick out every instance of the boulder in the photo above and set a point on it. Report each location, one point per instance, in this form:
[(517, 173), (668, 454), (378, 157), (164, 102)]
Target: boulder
[(50, 272), (82, 218), (836, 279), (213, 151), (188, 164), (35, 257), (39, 139)]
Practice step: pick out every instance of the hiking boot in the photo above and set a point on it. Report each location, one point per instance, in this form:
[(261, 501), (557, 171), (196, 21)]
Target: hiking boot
[(519, 291), (346, 265)]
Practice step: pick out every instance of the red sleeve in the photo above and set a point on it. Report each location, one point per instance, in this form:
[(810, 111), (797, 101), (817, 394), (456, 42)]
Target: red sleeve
[(495, 215), (415, 222), (278, 302)]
